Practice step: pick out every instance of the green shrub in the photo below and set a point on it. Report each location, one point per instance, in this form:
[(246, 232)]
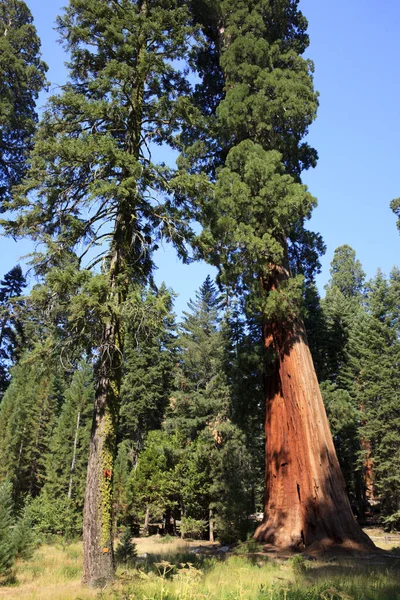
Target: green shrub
[(298, 564), (192, 527), (54, 516), (166, 539), (126, 549), (24, 539)]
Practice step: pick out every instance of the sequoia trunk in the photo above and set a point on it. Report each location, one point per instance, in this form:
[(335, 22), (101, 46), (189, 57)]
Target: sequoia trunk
[(306, 505)]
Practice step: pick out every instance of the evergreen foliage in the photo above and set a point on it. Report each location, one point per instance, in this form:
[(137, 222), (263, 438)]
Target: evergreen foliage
[(27, 418), (341, 315), (59, 507), (126, 90), (395, 206), (7, 547), (215, 467), (16, 537), (201, 391), (379, 392), (180, 406), (22, 77), (149, 362), (357, 350), (11, 326), (126, 550), (153, 484), (244, 366), (254, 216), (197, 468)]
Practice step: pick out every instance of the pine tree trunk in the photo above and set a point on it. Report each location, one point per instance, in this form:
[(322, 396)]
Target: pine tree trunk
[(211, 525), (98, 567), (73, 462), (306, 505)]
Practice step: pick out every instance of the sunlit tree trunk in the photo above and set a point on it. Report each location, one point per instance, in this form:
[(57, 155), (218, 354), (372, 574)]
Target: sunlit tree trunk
[(98, 518), (98, 564), (73, 462), (306, 505)]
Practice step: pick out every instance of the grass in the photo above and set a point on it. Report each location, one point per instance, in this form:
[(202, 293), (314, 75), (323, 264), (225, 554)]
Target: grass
[(169, 570)]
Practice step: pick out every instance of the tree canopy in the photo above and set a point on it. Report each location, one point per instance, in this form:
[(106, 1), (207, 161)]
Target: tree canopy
[(22, 77)]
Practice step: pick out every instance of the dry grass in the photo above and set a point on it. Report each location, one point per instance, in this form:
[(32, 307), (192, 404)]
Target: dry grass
[(168, 546), (54, 572), (169, 572), (382, 539)]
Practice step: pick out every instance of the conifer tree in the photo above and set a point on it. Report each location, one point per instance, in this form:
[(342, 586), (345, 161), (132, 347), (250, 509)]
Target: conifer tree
[(149, 370), (16, 539), (22, 77), (215, 467), (154, 486), (7, 546), (93, 182), (149, 363), (60, 504), (379, 387), (27, 418), (244, 364), (11, 327), (201, 391), (395, 206), (344, 318), (254, 220)]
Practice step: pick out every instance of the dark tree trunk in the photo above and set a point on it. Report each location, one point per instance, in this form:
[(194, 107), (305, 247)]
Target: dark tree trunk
[(168, 528), (306, 505)]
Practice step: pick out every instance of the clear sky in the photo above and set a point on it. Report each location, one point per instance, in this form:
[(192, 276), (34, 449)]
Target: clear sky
[(354, 45)]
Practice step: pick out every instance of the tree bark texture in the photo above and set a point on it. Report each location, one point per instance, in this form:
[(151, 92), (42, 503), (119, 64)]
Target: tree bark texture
[(306, 505), (368, 473), (211, 525), (98, 567)]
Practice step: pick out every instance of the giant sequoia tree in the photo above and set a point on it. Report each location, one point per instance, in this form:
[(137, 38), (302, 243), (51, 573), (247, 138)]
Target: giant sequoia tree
[(254, 220), (93, 185)]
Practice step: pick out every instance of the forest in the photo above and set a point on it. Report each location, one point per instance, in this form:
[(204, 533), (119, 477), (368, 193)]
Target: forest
[(257, 433)]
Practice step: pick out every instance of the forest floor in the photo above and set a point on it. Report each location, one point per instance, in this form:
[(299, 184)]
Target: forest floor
[(174, 569)]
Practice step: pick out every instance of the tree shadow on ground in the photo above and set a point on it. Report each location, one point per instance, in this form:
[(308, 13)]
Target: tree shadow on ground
[(374, 579)]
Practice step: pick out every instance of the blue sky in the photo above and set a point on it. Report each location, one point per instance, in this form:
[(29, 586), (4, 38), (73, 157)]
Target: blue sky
[(354, 46)]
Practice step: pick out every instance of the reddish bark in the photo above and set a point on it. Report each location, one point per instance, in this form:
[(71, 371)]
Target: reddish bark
[(306, 505), (368, 473)]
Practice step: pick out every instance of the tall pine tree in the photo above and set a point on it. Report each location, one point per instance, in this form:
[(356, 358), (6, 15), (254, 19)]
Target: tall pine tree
[(93, 181), (379, 393), (344, 317)]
